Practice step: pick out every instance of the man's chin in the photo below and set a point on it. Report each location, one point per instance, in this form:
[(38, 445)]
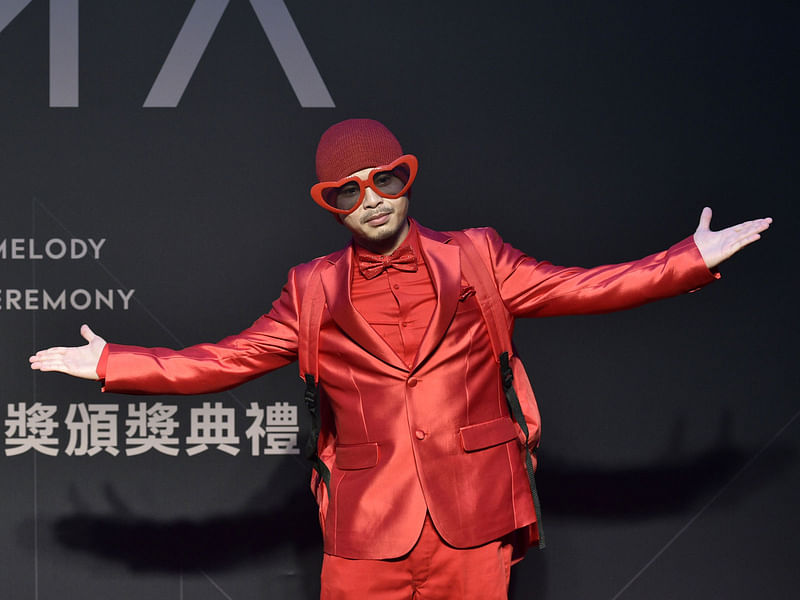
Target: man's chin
[(387, 234), (379, 234)]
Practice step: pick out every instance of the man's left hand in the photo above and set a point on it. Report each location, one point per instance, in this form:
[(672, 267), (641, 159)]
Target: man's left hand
[(717, 246)]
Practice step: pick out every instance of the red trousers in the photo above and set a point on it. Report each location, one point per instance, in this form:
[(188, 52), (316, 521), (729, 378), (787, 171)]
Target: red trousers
[(433, 570)]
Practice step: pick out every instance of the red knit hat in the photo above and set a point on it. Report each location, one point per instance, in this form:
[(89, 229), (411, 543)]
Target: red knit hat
[(352, 145)]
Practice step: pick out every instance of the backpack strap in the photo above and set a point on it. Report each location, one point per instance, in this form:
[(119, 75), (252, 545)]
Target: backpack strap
[(490, 303), (311, 309), (486, 292)]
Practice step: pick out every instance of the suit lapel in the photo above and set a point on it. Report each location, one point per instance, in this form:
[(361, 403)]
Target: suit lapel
[(336, 283), (444, 265)]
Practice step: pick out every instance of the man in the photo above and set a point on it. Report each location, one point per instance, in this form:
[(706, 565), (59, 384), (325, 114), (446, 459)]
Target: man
[(427, 481)]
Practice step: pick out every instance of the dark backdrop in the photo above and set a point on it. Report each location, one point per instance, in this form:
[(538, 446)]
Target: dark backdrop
[(584, 132)]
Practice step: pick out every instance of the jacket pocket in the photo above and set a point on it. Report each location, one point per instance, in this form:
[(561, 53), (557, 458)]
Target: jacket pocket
[(357, 456), (467, 300), (487, 434)]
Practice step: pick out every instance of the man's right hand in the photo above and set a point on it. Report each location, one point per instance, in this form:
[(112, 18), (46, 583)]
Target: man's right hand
[(78, 361)]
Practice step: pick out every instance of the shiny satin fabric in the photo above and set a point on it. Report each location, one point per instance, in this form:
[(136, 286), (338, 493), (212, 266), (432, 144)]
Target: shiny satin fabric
[(434, 436), (431, 571)]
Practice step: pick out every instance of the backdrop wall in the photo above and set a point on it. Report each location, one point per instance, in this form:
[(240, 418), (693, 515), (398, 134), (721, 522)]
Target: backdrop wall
[(156, 161)]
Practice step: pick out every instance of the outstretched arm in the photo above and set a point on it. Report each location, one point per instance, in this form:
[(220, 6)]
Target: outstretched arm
[(78, 361), (717, 246), (532, 288), (268, 344)]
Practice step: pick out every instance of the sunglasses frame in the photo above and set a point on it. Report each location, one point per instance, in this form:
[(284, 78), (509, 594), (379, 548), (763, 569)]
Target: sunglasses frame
[(407, 159)]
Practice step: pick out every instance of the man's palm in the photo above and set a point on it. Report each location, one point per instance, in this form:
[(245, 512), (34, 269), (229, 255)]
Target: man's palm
[(717, 246), (79, 361)]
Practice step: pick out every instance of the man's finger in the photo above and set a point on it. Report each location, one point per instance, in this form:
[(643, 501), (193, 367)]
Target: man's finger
[(87, 333), (747, 240), (48, 365), (705, 219), (748, 228), (50, 352)]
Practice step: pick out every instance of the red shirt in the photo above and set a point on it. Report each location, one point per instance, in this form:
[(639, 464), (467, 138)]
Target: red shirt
[(397, 304)]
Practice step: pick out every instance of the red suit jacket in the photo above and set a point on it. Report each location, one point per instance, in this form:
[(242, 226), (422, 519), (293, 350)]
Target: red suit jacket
[(436, 436)]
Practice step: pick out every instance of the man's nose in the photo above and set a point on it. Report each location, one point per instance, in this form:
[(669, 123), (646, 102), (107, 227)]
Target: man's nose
[(371, 198)]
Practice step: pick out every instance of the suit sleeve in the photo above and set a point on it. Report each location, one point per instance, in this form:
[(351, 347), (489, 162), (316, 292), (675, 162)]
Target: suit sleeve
[(532, 288), (268, 344)]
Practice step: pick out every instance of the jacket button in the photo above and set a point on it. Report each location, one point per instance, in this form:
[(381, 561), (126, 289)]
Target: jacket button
[(412, 382), (420, 434)]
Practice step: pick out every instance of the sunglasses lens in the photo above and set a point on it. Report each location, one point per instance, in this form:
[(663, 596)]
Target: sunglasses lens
[(344, 197), (392, 183)]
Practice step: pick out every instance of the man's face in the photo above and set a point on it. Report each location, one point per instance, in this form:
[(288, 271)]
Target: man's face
[(379, 224)]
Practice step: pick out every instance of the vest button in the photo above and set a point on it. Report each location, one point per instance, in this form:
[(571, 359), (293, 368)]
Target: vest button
[(412, 382), (420, 434)]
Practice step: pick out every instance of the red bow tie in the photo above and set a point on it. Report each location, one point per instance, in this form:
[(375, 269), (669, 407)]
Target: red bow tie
[(372, 265)]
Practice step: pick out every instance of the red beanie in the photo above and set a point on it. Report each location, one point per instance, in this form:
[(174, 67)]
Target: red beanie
[(353, 145)]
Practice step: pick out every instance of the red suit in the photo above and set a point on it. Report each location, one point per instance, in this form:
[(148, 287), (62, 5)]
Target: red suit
[(435, 436)]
